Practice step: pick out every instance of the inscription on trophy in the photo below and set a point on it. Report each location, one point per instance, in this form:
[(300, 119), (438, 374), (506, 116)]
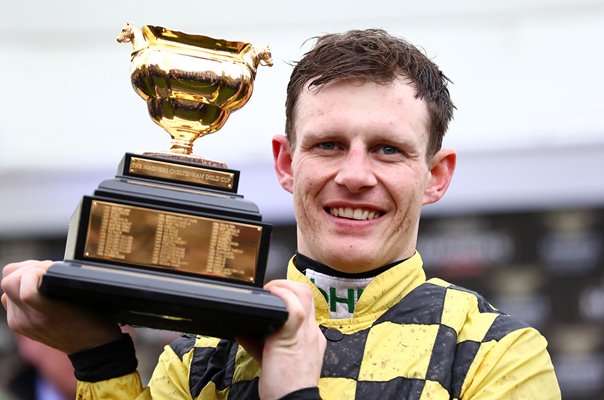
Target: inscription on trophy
[(181, 173), (161, 239)]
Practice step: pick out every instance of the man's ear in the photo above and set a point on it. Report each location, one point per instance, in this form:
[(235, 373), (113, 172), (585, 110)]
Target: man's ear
[(282, 157), (442, 167)]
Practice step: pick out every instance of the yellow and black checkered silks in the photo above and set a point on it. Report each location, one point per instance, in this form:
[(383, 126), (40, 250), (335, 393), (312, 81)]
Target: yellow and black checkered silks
[(408, 339)]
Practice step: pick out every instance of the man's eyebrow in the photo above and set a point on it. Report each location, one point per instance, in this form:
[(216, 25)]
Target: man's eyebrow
[(313, 135)]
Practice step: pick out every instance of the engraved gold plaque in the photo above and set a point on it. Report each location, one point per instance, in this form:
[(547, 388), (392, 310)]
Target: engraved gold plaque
[(181, 173), (178, 241)]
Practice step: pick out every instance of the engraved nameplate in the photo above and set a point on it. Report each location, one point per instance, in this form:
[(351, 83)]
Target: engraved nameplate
[(173, 241), (181, 173)]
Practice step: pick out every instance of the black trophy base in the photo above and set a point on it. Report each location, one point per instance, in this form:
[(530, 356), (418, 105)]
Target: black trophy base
[(162, 301)]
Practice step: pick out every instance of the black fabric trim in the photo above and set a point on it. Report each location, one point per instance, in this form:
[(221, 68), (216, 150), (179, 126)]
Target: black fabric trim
[(397, 388), (197, 373), (441, 361), (303, 263), (183, 345), (311, 393), (210, 364), (343, 358), (104, 362), (230, 367), (247, 390), (503, 325), (423, 305), (464, 357)]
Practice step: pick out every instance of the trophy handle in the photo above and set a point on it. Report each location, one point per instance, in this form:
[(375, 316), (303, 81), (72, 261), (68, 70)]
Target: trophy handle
[(264, 56), (132, 35)]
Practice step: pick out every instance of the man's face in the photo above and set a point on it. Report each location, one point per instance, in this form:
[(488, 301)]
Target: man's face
[(359, 173)]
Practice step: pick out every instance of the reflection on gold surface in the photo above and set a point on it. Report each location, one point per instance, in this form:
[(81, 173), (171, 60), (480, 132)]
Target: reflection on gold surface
[(181, 242), (191, 83), (181, 173)]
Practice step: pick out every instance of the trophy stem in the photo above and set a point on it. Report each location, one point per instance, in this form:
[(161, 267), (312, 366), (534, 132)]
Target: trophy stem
[(181, 146)]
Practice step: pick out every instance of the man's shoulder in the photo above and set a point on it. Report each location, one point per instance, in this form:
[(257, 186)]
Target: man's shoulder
[(463, 310), (460, 296)]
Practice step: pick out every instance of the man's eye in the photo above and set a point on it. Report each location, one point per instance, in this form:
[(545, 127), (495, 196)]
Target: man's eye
[(388, 150), (327, 146)]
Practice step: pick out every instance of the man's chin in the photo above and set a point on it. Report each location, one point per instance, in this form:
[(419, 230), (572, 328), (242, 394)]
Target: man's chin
[(351, 264)]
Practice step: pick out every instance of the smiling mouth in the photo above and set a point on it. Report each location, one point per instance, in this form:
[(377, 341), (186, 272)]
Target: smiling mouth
[(361, 214)]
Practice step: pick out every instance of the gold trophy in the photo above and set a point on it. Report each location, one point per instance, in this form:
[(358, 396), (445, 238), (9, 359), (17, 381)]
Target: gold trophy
[(168, 243)]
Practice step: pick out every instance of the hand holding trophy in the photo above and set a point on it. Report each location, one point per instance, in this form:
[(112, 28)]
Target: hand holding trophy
[(168, 243)]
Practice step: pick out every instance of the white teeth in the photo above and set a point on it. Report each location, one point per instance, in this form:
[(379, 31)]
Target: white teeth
[(354, 213)]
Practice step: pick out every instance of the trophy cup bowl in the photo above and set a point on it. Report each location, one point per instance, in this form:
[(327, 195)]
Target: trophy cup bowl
[(169, 243), (191, 83)]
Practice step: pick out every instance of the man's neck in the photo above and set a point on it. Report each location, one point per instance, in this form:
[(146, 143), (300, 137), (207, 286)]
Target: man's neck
[(341, 290), (303, 263)]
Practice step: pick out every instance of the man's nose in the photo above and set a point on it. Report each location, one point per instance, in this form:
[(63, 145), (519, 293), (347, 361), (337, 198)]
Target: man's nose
[(355, 172)]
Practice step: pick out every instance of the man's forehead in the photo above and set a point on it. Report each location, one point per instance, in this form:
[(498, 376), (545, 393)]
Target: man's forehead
[(311, 94), (318, 107)]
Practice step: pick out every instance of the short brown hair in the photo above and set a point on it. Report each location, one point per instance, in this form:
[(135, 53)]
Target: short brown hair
[(373, 55)]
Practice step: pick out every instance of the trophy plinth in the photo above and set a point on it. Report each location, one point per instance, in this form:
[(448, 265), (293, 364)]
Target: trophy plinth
[(168, 243)]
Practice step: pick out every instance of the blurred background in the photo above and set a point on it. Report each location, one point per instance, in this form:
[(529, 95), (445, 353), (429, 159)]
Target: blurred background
[(523, 222)]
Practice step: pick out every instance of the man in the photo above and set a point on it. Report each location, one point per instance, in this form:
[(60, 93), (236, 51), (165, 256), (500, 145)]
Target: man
[(366, 114)]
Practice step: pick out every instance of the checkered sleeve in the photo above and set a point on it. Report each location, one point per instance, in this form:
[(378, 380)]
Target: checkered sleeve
[(123, 387), (108, 371), (496, 356), (515, 366), (191, 367), (170, 378), (204, 368)]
